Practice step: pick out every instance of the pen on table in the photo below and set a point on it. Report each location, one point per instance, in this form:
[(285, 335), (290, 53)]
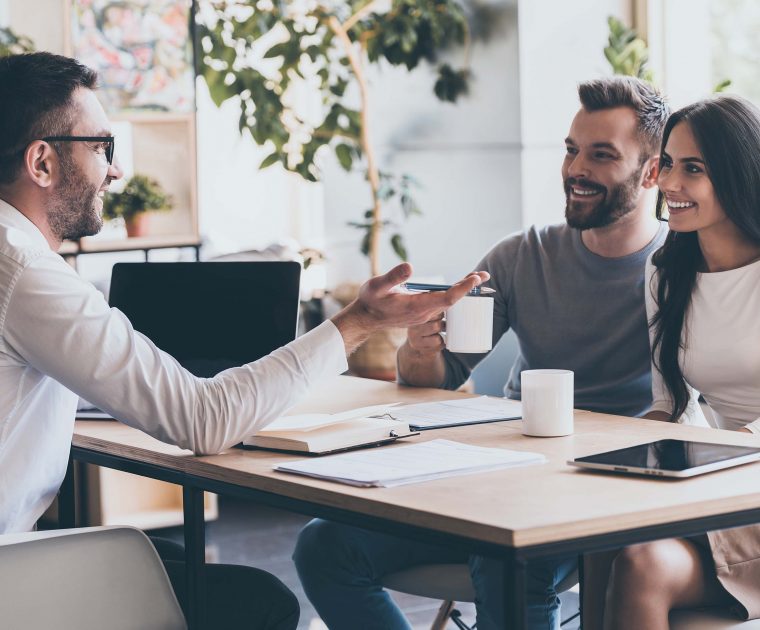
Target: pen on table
[(421, 286)]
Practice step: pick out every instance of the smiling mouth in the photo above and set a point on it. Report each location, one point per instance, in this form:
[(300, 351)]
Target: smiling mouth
[(584, 193), (680, 206)]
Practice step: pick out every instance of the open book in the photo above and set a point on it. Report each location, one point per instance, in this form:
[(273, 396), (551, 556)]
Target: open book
[(320, 433)]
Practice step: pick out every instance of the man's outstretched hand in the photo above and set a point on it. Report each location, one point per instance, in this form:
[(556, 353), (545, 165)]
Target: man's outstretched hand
[(383, 304)]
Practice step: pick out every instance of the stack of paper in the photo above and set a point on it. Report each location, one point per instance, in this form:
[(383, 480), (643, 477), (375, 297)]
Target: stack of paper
[(452, 413), (389, 467)]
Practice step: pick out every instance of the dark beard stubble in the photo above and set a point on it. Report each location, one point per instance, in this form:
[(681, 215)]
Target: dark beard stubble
[(617, 203), (72, 213)]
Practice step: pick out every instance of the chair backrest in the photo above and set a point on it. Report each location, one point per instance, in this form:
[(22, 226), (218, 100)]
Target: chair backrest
[(86, 579)]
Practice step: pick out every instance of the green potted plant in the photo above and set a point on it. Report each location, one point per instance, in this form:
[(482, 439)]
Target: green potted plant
[(141, 194)]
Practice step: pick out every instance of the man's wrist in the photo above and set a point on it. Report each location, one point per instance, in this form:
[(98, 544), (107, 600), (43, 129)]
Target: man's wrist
[(420, 368), (355, 324), (417, 353)]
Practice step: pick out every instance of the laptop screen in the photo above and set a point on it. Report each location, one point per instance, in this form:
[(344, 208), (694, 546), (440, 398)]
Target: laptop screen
[(210, 316)]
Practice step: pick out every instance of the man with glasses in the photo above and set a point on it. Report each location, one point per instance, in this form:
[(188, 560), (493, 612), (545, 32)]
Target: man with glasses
[(59, 339)]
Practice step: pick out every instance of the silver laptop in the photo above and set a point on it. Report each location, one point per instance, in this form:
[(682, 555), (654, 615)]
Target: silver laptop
[(670, 458)]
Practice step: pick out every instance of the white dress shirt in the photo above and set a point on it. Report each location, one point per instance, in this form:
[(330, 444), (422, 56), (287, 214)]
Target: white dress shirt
[(59, 340), (721, 357)]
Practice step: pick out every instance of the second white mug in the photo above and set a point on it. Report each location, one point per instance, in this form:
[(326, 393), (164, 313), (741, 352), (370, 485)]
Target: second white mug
[(547, 402)]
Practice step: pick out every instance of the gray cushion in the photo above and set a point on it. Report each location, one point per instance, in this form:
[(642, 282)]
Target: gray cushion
[(445, 581), (437, 581)]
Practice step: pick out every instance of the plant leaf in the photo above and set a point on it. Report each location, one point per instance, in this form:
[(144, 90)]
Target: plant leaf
[(364, 247), (397, 242), (722, 86), (343, 153), (269, 160)]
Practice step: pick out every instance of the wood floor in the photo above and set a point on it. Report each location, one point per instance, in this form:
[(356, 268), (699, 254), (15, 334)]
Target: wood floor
[(263, 537)]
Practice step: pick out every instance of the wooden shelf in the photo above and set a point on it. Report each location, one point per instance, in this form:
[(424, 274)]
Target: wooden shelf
[(119, 498), (153, 116), (112, 497), (94, 245)]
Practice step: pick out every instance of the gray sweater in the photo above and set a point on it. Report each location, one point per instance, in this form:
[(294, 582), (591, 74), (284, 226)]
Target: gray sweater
[(571, 309)]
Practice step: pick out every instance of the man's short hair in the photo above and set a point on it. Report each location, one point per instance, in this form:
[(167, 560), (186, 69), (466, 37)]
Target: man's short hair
[(35, 102), (646, 101)]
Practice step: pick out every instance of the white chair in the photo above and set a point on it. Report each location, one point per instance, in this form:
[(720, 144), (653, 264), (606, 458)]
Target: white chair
[(85, 579), (448, 582)]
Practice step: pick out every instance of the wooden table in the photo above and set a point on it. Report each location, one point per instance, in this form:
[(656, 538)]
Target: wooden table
[(546, 511)]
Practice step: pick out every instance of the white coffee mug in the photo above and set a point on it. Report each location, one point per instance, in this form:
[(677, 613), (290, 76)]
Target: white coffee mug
[(547, 402), (469, 324)]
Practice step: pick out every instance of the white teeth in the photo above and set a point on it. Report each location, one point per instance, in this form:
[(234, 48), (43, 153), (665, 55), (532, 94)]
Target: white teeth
[(680, 204), (583, 192)]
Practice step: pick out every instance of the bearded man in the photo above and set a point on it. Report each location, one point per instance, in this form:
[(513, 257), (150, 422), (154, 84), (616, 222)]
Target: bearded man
[(574, 295)]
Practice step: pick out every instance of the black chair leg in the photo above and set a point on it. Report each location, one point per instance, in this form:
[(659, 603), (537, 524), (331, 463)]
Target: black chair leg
[(456, 617)]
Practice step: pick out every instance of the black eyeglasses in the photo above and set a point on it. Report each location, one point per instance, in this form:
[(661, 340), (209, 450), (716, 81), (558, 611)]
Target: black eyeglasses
[(109, 141)]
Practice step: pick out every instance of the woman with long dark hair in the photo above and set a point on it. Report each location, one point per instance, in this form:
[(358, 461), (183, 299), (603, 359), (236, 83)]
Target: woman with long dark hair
[(703, 300)]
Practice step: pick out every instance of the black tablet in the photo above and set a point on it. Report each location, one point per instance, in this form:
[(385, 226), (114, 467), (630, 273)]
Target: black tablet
[(670, 458)]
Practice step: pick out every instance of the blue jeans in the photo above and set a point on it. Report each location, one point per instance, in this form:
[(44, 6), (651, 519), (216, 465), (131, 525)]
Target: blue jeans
[(341, 568)]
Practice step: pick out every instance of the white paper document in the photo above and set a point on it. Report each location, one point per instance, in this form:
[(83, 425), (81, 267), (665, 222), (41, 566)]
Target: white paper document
[(451, 413), (388, 467)]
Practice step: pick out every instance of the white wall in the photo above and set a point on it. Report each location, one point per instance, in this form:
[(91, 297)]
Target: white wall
[(42, 20), (683, 69), (240, 207), (466, 156), (561, 45)]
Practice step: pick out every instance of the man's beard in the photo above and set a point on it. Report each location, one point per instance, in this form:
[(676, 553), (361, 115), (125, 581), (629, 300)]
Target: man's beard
[(615, 204), (72, 213)]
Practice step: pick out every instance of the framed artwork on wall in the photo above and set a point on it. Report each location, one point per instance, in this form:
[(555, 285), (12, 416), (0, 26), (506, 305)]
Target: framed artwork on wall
[(141, 50)]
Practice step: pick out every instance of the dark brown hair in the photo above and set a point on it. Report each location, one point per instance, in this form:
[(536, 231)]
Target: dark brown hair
[(35, 102), (649, 105)]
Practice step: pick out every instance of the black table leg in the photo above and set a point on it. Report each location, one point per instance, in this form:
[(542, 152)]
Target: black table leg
[(580, 590), (514, 596), (195, 556), (67, 499)]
